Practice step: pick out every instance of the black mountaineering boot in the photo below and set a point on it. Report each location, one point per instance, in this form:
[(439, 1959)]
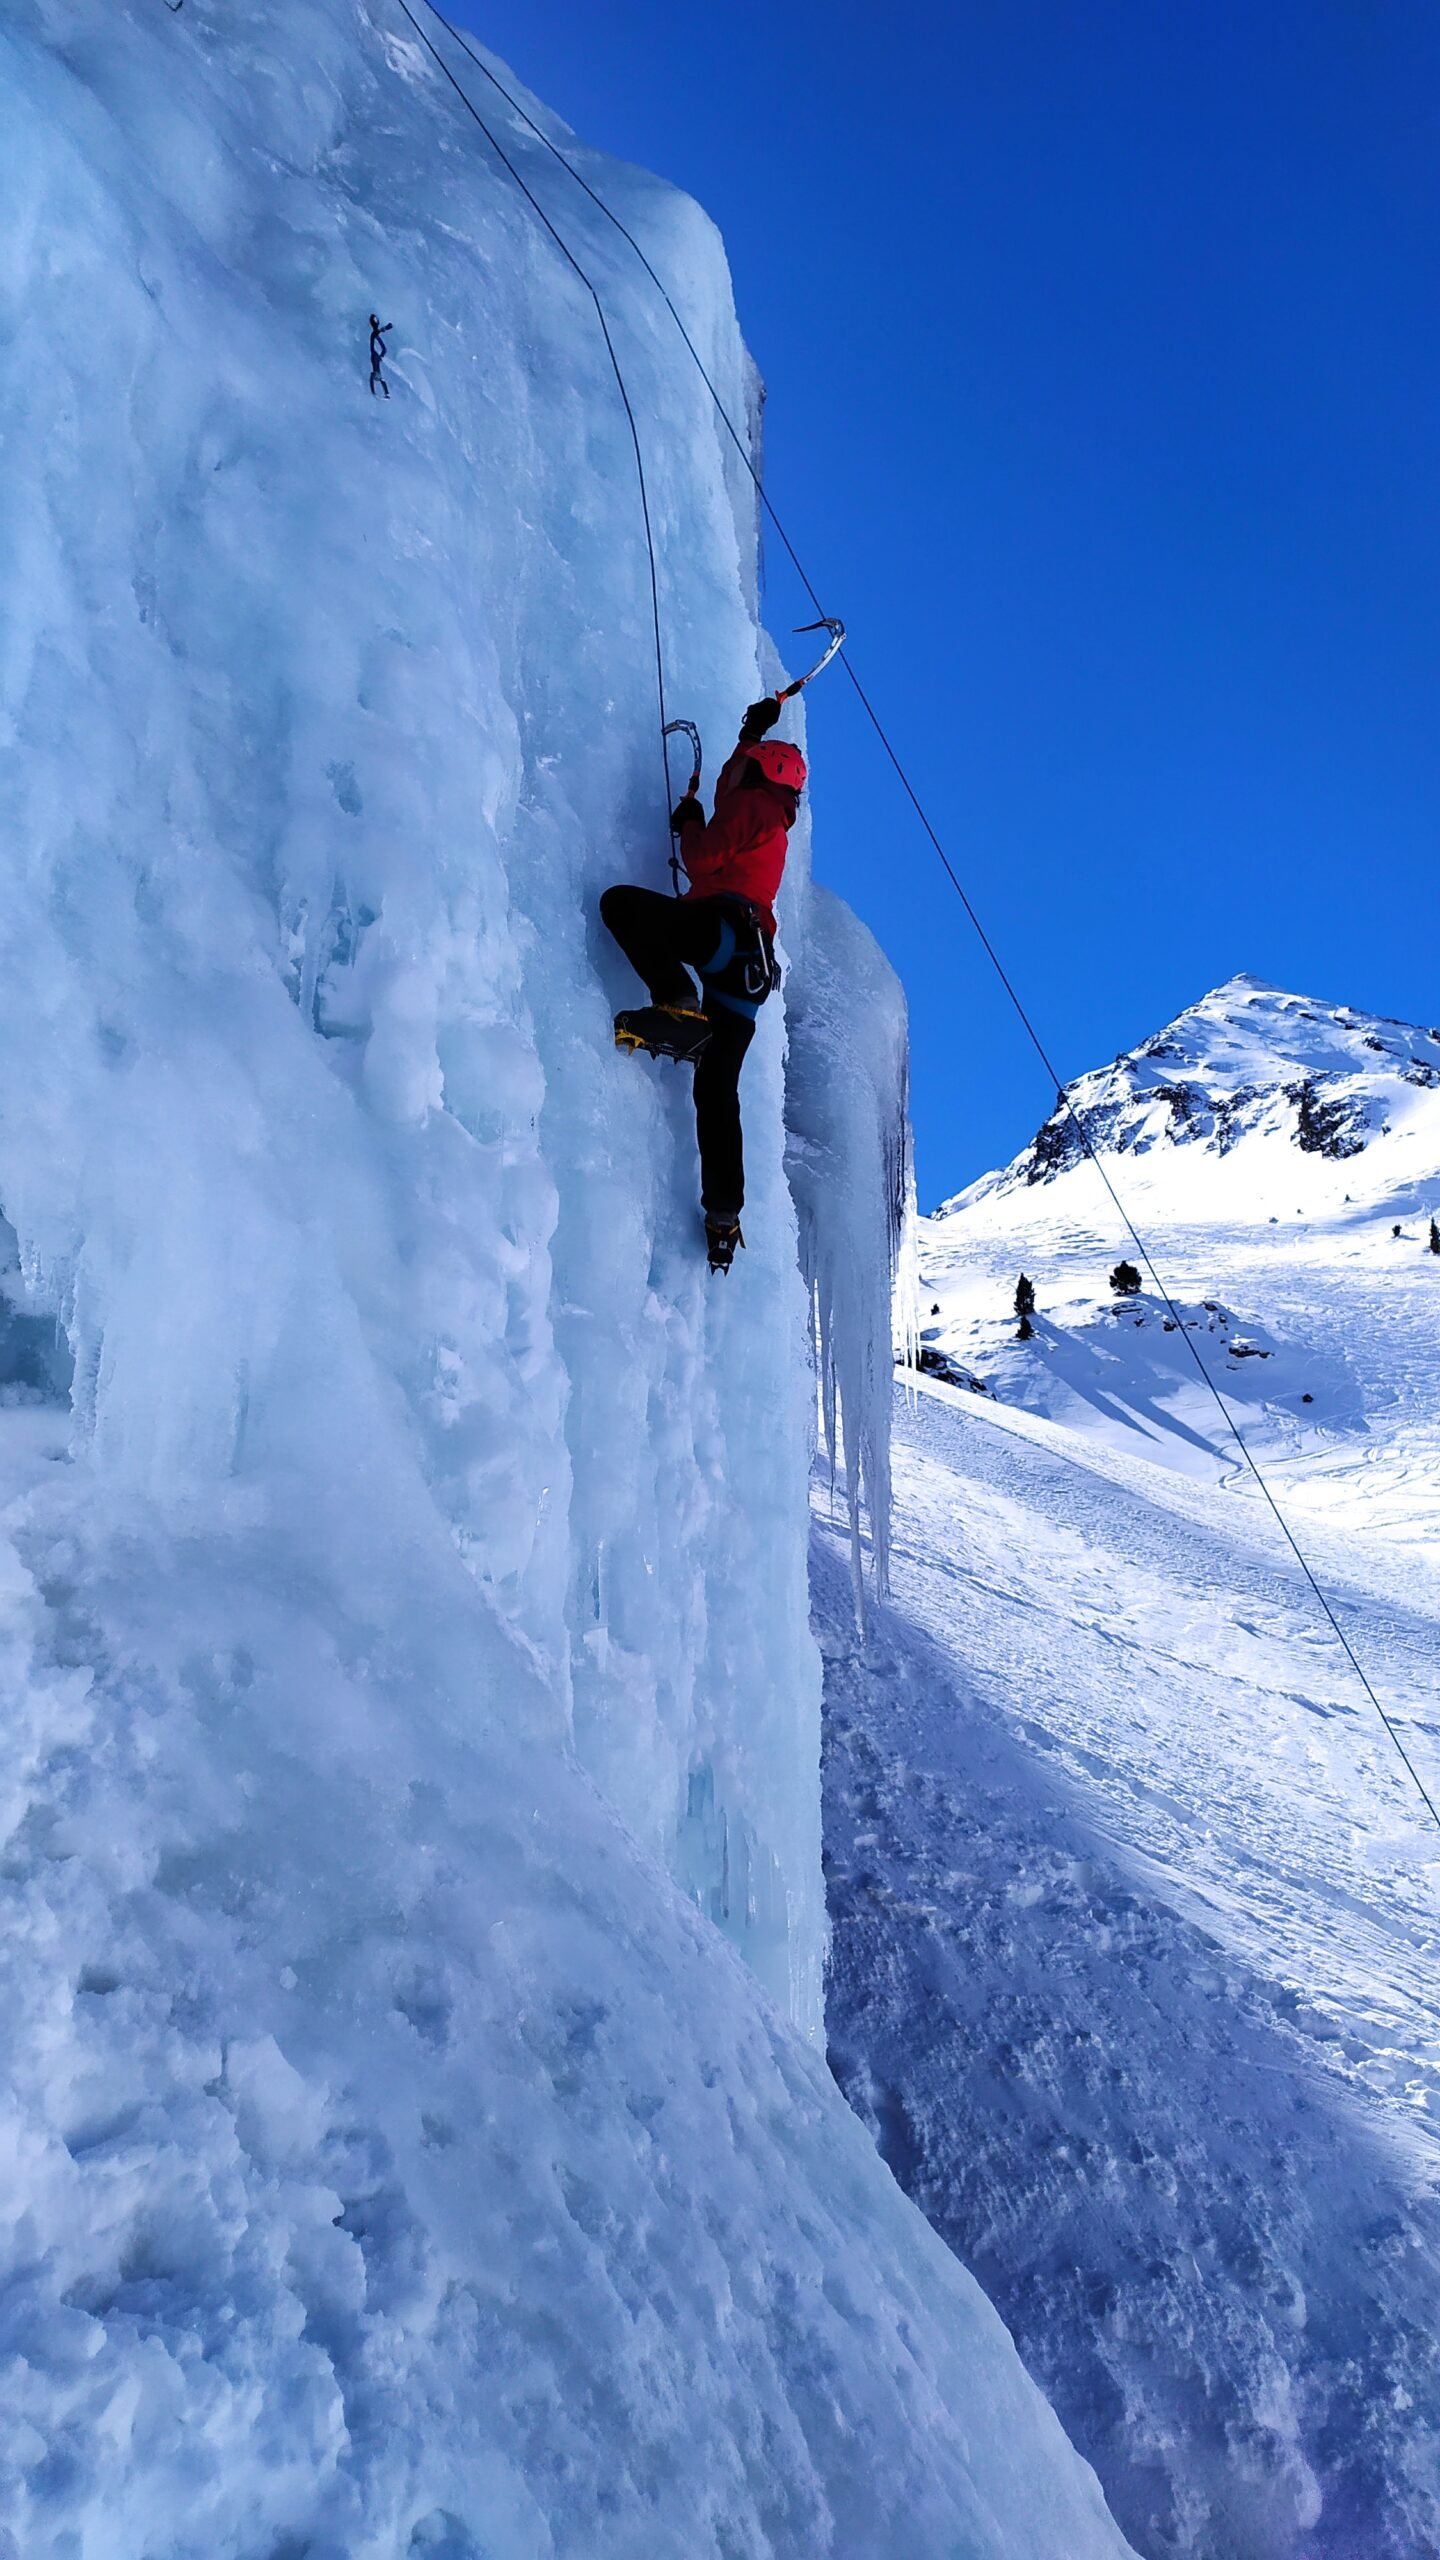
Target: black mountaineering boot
[(665, 1030), (722, 1235)]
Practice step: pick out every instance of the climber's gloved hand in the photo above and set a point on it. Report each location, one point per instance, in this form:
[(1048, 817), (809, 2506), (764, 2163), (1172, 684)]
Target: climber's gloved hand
[(760, 717), (687, 813)]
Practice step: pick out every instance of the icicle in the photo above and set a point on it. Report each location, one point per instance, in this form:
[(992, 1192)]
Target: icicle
[(849, 1162)]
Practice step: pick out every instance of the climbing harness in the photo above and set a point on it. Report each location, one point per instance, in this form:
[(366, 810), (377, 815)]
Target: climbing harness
[(902, 776), (742, 970)]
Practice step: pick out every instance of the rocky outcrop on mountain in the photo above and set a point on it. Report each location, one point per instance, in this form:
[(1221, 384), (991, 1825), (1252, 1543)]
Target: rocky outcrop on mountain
[(1248, 1057)]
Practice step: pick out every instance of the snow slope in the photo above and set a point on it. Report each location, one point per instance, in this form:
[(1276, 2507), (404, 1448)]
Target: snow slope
[(407, 1682), (1315, 1317), (1136, 1911)]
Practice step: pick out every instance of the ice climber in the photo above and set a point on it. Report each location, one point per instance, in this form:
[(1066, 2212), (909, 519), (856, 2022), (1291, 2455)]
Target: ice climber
[(379, 330), (723, 928)]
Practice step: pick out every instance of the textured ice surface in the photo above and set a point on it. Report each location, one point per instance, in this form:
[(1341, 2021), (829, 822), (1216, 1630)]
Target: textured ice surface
[(334, 716), (406, 1631), (848, 1154)]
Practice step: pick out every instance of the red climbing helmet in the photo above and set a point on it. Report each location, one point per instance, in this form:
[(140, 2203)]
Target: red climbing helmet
[(780, 763)]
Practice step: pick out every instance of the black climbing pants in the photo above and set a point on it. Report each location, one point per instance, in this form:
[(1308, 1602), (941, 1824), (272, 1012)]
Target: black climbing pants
[(722, 940)]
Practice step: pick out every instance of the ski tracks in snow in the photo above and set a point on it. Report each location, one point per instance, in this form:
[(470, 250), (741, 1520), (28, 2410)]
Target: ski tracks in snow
[(1135, 1919), (1155, 1636)]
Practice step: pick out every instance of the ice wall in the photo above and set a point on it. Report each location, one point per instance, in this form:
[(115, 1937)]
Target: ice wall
[(336, 715), (851, 1172), (407, 1628)]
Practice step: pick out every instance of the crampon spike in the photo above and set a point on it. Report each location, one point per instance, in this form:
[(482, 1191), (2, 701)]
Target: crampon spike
[(664, 1031), (722, 1237)]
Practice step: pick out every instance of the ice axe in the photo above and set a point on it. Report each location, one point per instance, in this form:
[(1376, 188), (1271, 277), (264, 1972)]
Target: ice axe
[(836, 628), (686, 728)]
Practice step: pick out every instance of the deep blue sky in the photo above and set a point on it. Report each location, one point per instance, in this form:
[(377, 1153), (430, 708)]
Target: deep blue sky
[(1103, 356)]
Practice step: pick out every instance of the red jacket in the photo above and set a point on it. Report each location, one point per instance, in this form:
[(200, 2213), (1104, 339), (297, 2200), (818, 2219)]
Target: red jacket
[(741, 854)]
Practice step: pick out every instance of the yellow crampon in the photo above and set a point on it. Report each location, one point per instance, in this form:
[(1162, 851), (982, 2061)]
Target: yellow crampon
[(663, 1030)]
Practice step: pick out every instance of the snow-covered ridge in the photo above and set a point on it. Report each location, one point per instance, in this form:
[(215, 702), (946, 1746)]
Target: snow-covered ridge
[(1247, 1060)]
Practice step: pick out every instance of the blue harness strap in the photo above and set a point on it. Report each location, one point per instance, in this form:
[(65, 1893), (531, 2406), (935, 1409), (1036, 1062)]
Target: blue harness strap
[(721, 959), (723, 953)]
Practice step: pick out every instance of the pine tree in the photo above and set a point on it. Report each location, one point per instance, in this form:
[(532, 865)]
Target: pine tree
[(1025, 1308), (1434, 1237), (1125, 1280)]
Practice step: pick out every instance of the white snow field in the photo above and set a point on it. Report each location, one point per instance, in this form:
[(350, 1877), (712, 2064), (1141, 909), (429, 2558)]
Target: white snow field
[(411, 1718), (1136, 1911)]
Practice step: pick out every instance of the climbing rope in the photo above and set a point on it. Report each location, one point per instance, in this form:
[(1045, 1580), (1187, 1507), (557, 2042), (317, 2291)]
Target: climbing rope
[(571, 260), (1076, 1121)]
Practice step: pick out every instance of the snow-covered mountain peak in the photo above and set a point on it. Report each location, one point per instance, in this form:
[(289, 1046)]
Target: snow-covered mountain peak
[(1247, 1061), (1279, 1157), (1249, 1027)]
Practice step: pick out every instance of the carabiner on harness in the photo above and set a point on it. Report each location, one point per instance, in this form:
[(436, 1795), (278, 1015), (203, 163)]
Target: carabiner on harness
[(742, 970)]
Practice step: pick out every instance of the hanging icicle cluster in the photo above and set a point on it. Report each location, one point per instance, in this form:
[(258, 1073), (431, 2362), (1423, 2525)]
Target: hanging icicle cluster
[(849, 1161)]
